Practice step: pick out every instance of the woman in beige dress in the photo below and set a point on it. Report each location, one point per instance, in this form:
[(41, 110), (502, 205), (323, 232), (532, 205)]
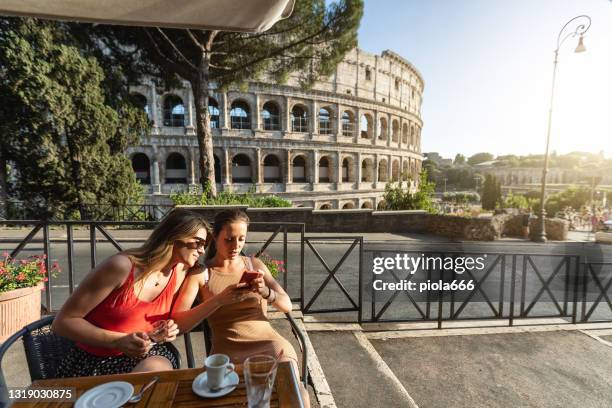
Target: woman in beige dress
[(236, 312)]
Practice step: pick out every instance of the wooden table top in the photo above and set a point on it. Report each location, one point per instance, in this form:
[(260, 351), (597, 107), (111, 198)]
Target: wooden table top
[(174, 389)]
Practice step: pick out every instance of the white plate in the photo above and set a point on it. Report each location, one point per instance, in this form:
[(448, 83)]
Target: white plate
[(200, 386), (109, 395)]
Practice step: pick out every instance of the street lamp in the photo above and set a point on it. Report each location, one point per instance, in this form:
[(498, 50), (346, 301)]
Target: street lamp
[(582, 24)]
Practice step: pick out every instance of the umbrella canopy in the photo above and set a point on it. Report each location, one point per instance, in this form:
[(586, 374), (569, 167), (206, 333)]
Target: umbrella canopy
[(224, 15)]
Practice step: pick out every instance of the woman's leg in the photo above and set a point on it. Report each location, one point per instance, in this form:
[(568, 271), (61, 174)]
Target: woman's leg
[(153, 363)]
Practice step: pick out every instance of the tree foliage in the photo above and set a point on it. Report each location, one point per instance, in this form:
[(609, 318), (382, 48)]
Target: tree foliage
[(59, 130), (310, 43), (480, 158), (491, 193), (398, 198)]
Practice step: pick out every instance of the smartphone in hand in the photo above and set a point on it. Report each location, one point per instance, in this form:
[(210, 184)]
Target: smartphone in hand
[(248, 276)]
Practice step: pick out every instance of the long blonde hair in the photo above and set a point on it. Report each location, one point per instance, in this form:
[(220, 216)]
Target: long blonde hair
[(156, 251)]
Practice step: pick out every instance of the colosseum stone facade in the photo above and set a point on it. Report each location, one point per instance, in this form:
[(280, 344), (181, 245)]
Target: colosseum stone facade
[(334, 146)]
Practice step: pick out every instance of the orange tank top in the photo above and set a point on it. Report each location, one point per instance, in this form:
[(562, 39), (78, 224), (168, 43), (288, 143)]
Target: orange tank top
[(130, 314)]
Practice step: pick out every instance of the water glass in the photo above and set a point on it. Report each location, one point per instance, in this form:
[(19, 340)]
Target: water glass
[(259, 375)]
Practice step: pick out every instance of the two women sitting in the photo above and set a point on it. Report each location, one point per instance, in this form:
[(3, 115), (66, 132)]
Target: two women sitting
[(126, 310)]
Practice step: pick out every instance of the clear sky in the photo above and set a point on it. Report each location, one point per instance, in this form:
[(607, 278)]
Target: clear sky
[(487, 66)]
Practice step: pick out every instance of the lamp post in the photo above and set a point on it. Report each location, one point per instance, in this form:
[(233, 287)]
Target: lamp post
[(582, 24)]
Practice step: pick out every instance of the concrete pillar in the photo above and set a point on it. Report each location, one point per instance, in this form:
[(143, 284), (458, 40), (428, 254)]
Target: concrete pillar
[(156, 185), (154, 107), (357, 133), (224, 109), (315, 167), (286, 115), (190, 114), (288, 173), (313, 118), (337, 120), (226, 168), (256, 114), (338, 171), (359, 170), (389, 168), (376, 126), (258, 167)]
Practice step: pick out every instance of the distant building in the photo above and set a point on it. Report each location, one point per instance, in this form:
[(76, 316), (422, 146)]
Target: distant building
[(439, 160)]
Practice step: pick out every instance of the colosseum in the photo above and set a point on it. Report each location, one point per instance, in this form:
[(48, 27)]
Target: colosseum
[(334, 146)]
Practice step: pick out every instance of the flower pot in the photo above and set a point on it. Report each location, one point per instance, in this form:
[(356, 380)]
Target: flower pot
[(17, 308)]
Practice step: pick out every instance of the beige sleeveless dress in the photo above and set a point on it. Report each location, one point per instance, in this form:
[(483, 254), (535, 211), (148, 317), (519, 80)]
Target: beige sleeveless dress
[(242, 329)]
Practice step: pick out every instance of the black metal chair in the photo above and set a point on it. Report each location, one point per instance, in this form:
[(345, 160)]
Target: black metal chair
[(44, 350), (208, 335)]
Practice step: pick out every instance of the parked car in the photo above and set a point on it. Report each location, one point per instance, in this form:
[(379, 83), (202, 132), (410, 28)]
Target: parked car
[(605, 235)]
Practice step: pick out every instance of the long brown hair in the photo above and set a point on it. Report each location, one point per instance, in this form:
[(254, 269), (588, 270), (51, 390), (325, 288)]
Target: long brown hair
[(156, 251)]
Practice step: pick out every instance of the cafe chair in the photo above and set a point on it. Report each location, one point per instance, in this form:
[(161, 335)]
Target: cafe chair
[(44, 350)]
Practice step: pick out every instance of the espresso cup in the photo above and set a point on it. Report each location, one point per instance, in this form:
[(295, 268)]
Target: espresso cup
[(218, 366)]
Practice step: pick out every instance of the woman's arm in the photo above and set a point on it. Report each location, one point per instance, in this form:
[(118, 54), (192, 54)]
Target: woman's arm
[(98, 284), (267, 284), (187, 317)]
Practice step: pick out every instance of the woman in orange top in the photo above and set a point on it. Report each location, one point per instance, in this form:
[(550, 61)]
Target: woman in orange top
[(119, 316)]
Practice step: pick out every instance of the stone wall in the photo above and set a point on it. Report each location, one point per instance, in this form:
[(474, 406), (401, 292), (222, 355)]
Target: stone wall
[(365, 220)]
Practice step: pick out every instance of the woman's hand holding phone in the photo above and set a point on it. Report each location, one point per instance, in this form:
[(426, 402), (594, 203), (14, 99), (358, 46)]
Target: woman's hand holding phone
[(258, 284), (233, 294)]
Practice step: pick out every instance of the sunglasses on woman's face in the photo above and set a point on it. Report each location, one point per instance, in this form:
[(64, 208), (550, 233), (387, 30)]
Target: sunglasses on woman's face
[(197, 244)]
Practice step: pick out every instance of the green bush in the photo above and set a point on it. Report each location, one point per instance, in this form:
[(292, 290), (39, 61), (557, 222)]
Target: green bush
[(397, 198), (229, 198)]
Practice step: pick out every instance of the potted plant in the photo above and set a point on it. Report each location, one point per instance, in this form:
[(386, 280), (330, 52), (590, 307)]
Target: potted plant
[(21, 283)]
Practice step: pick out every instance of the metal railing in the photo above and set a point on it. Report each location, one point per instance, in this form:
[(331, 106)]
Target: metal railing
[(98, 233), (509, 287)]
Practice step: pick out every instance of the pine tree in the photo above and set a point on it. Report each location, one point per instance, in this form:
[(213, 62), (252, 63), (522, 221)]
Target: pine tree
[(59, 130), (491, 193), (311, 43)]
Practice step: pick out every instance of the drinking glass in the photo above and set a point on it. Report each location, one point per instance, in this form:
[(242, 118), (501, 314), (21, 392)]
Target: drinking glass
[(259, 375)]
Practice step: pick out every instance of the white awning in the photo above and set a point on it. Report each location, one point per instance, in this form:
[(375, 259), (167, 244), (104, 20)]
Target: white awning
[(225, 15)]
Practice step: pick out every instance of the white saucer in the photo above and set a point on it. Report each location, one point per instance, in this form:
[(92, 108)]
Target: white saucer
[(200, 386), (108, 395)]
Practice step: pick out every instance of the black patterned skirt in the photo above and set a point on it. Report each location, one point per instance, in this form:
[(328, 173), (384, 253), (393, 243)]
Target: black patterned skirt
[(80, 363)]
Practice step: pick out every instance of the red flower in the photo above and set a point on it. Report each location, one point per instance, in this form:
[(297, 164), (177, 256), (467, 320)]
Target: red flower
[(5, 254), (55, 265), (21, 277), (46, 279), (23, 262)]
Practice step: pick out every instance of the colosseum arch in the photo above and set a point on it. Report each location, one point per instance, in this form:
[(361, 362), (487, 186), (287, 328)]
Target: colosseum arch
[(270, 114), (348, 205), (272, 169), (325, 121), (412, 137), (366, 126), (383, 170), (395, 131), (405, 171), (213, 110), (367, 170), (240, 115), (324, 169), (405, 134), (299, 118), (142, 167), (241, 169), (348, 123), (367, 204), (299, 167), (381, 205), (176, 169), (141, 102), (174, 111), (395, 170), (383, 129), (348, 170), (325, 206)]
